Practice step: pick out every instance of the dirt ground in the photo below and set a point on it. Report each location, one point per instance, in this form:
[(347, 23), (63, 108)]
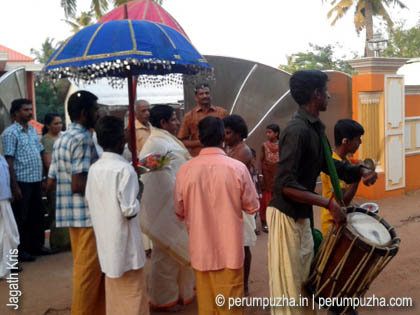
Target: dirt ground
[(46, 283)]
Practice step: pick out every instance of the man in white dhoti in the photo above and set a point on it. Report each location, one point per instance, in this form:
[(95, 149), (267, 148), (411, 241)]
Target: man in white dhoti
[(9, 235), (171, 280)]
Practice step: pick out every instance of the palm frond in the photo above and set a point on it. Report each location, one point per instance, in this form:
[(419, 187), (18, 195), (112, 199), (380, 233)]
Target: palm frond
[(69, 7), (340, 9), (118, 3), (99, 7), (395, 2), (382, 12), (359, 17)]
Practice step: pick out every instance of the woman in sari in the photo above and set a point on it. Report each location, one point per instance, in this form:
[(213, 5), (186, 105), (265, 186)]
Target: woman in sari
[(171, 281)]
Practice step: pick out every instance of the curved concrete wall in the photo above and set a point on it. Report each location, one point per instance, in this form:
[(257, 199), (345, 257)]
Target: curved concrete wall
[(260, 94)]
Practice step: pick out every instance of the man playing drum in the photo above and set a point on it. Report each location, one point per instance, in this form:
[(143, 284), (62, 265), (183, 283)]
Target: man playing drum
[(289, 215)]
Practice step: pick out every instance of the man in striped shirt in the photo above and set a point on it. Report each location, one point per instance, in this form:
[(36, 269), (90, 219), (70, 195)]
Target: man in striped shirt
[(74, 152)]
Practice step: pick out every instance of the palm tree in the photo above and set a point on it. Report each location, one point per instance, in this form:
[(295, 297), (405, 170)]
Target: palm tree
[(98, 6), (363, 15), (47, 49), (81, 21)]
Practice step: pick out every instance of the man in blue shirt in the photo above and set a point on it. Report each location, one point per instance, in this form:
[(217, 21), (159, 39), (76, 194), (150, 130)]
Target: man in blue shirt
[(22, 149)]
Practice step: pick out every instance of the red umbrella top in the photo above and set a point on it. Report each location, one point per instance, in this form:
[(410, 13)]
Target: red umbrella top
[(143, 10)]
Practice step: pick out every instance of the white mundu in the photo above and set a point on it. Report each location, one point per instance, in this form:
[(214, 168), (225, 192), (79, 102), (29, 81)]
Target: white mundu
[(9, 238), (171, 278)]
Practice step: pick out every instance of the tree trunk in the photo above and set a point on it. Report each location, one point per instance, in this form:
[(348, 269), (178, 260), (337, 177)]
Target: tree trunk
[(369, 27)]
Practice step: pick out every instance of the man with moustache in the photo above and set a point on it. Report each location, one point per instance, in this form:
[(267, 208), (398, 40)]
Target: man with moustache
[(188, 133), (22, 149), (73, 154)]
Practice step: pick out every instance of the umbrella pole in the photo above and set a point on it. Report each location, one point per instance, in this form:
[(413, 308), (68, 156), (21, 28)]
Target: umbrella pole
[(131, 100)]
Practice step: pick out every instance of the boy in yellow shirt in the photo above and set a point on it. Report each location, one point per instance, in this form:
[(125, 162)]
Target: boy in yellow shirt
[(347, 136)]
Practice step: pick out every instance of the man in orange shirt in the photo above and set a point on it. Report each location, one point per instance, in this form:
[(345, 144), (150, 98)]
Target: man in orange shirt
[(188, 133), (211, 191)]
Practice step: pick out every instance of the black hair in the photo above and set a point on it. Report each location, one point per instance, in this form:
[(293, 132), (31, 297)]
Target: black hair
[(304, 82), (200, 86), (254, 153), (17, 105), (159, 112), (347, 128), (275, 128), (237, 124), (211, 131), (48, 119), (109, 131), (78, 101)]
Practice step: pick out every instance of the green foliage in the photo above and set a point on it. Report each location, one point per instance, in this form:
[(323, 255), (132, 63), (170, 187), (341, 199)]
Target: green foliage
[(318, 58), (99, 7), (69, 7), (46, 101), (49, 98), (81, 21), (379, 9), (404, 43), (47, 49)]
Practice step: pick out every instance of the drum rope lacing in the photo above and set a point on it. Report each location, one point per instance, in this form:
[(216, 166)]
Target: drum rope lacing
[(323, 256)]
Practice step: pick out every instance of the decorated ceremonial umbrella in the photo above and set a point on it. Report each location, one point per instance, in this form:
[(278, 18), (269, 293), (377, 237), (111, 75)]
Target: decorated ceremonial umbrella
[(124, 49), (147, 10)]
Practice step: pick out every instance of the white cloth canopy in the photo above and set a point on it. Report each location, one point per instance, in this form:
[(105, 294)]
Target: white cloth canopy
[(110, 96)]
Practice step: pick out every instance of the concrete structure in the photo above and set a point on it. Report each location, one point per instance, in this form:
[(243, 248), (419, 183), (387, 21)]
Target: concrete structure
[(260, 94), (390, 112), (11, 60)]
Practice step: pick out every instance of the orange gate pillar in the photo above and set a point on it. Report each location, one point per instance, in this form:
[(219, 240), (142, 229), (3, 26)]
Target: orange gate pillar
[(378, 98)]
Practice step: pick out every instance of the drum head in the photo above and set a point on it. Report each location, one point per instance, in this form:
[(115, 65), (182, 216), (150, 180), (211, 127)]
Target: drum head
[(369, 228)]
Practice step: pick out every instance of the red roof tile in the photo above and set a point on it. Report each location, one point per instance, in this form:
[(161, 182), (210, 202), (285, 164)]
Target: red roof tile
[(14, 55)]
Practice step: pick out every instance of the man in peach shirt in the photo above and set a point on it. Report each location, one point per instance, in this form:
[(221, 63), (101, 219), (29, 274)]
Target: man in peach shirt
[(211, 191)]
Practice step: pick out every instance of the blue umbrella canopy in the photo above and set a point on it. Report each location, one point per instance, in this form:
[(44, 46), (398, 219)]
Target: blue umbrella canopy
[(122, 48), (127, 49)]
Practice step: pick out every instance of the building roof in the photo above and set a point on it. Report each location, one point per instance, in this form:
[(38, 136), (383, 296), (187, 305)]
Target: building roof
[(14, 55), (411, 72)]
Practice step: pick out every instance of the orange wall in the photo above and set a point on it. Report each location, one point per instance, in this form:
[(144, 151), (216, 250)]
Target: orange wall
[(377, 191), (412, 105), (31, 91), (412, 171)]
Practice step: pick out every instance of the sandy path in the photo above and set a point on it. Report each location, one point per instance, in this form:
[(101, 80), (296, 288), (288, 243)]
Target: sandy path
[(46, 283)]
